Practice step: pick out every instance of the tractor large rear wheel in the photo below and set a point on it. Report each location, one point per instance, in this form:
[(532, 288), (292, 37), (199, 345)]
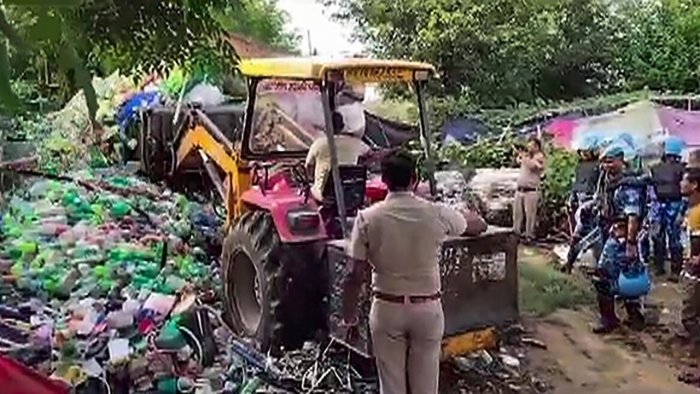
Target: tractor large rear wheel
[(273, 292)]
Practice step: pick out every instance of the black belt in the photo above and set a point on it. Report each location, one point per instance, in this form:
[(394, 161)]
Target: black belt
[(398, 299), (527, 189)]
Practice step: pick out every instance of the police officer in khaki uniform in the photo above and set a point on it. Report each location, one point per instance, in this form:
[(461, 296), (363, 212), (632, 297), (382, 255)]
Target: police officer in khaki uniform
[(400, 238)]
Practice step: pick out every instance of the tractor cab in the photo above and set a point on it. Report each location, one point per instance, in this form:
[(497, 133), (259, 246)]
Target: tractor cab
[(291, 103)]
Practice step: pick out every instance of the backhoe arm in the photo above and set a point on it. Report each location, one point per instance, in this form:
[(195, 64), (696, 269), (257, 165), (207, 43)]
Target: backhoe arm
[(216, 153)]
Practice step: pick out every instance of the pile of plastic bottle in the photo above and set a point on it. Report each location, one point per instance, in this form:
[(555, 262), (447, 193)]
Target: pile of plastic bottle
[(104, 286)]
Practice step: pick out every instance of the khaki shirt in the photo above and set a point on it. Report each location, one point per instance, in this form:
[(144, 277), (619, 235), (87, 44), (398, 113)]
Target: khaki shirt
[(401, 238), (531, 169), (349, 150)]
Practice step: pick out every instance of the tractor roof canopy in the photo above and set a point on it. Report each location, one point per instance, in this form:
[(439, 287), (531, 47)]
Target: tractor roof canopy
[(352, 69)]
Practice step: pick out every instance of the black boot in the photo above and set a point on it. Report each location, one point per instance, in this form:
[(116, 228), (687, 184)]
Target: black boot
[(635, 318), (676, 267), (659, 266), (608, 319), (571, 257)]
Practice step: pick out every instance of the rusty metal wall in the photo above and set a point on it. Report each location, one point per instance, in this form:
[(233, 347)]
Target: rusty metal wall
[(479, 284)]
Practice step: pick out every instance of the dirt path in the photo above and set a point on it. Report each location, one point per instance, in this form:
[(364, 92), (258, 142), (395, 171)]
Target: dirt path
[(588, 363), (579, 362)]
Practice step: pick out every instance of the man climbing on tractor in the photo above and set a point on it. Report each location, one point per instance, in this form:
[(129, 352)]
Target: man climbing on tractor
[(581, 201), (668, 208), (620, 271)]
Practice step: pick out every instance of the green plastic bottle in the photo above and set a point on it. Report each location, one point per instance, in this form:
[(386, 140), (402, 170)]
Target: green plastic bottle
[(167, 386), (100, 271), (17, 269), (120, 209), (251, 386), (120, 181)]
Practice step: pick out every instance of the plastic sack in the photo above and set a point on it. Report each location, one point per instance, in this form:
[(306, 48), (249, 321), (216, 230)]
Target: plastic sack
[(206, 95), (15, 378), (634, 283), (129, 110)]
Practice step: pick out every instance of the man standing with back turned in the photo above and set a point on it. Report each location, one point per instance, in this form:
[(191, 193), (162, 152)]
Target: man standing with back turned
[(401, 239)]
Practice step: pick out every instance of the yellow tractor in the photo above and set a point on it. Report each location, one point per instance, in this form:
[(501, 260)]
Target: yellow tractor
[(279, 284)]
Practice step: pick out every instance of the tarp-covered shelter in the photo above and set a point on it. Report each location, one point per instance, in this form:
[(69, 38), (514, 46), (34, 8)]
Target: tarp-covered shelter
[(681, 123), (463, 130), (384, 133), (646, 121)]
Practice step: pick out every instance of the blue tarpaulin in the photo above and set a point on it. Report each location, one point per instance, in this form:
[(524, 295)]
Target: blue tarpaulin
[(129, 110)]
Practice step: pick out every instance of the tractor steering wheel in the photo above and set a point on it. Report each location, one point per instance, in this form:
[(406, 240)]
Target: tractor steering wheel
[(298, 171)]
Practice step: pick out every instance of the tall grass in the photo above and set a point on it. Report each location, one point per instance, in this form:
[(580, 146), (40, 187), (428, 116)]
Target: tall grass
[(543, 289)]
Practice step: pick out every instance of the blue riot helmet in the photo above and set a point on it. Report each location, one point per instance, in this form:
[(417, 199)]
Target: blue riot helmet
[(613, 151), (613, 158), (673, 146), (634, 283), (590, 142)]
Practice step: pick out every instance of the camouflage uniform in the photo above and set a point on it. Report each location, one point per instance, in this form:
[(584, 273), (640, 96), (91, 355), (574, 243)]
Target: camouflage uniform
[(666, 220), (621, 200)]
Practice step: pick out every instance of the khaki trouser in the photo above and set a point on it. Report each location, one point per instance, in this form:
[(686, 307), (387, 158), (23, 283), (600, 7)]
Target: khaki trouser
[(690, 313), (525, 206), (406, 340)]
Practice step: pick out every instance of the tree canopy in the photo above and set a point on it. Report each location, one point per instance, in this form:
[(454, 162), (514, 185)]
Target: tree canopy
[(262, 21), (99, 36), (500, 53)]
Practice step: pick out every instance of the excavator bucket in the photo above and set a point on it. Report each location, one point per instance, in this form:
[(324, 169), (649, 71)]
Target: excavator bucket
[(163, 128), (479, 286)]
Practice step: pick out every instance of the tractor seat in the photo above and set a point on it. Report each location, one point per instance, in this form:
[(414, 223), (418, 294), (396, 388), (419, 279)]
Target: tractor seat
[(354, 182)]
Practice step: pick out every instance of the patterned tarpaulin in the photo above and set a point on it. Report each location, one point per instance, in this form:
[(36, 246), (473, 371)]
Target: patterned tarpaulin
[(639, 120), (680, 123), (563, 131)]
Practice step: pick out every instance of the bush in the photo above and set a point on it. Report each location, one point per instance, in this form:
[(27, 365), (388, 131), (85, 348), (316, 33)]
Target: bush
[(556, 187)]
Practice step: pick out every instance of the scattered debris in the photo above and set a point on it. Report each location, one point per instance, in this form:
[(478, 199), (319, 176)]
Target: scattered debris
[(534, 343)]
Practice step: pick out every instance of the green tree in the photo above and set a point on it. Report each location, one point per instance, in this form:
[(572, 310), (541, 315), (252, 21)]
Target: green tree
[(497, 52), (262, 21), (98, 36), (660, 45)]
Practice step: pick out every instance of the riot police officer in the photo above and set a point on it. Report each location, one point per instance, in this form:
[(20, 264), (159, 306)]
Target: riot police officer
[(621, 214), (667, 210), (579, 204)]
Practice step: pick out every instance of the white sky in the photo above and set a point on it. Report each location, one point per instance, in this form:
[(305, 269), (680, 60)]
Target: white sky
[(327, 36)]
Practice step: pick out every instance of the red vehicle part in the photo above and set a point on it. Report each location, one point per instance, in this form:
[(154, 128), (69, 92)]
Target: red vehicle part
[(296, 217), (16, 378)]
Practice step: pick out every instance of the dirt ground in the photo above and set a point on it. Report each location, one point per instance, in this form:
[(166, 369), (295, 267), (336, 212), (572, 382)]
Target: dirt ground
[(578, 361)]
